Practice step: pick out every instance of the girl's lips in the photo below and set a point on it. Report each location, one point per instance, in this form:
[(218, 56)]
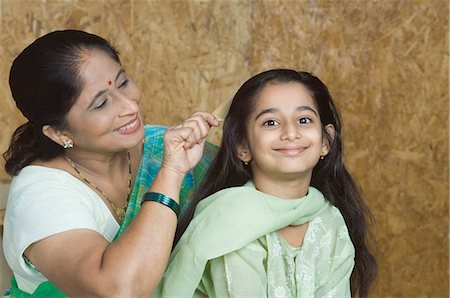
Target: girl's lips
[(130, 127), (291, 151)]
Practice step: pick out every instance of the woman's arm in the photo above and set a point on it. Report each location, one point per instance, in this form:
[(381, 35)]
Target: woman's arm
[(84, 263)]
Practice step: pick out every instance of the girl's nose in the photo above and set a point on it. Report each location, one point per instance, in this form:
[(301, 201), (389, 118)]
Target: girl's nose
[(290, 132)]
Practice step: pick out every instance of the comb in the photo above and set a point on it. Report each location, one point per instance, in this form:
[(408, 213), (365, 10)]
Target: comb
[(220, 112)]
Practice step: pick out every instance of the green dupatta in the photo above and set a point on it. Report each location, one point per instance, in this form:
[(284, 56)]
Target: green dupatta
[(149, 167), (232, 219)]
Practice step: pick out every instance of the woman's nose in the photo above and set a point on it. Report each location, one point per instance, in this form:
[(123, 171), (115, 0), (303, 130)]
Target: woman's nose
[(128, 104)]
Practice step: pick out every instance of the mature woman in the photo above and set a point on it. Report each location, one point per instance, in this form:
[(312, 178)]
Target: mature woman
[(93, 204)]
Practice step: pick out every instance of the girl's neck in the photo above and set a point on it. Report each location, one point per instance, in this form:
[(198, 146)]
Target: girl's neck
[(283, 187)]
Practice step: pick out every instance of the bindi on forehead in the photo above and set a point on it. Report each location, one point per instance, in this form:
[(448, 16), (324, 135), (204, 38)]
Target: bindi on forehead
[(109, 83)]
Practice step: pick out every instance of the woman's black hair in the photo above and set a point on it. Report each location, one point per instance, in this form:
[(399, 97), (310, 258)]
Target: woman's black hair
[(45, 82), (330, 175)]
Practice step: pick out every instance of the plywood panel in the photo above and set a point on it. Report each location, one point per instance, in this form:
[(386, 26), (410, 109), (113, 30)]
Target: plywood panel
[(385, 62)]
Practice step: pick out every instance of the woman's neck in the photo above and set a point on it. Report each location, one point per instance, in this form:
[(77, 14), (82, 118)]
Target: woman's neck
[(95, 164)]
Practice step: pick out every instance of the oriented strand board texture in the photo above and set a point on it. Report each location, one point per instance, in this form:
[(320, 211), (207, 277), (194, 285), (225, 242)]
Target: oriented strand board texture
[(385, 62)]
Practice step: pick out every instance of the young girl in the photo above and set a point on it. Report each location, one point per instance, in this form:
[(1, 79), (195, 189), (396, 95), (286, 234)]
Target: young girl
[(281, 215)]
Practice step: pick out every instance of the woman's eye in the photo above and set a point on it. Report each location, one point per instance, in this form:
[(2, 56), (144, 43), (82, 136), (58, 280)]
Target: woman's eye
[(124, 83), (102, 104), (270, 123), (304, 120)]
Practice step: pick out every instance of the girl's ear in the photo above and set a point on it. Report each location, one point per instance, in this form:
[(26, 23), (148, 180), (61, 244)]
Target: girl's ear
[(57, 136), (243, 153), (326, 139)]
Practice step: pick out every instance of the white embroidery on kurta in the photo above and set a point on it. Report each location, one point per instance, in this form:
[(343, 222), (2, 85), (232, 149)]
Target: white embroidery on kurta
[(228, 277), (331, 293), (334, 212)]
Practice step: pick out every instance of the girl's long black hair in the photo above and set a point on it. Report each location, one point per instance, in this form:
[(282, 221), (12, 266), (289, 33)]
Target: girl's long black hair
[(330, 175)]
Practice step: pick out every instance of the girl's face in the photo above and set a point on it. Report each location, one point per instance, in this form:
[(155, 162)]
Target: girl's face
[(284, 133), (105, 117)]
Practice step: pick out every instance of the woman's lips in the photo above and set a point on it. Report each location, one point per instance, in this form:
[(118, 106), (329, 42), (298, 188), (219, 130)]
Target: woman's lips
[(130, 127)]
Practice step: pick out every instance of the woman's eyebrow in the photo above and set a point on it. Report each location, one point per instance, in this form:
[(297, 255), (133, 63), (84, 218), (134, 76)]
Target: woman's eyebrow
[(121, 71)]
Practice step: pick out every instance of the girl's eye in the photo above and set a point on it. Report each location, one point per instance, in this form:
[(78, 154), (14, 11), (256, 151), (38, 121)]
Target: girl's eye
[(304, 120), (270, 123), (124, 83)]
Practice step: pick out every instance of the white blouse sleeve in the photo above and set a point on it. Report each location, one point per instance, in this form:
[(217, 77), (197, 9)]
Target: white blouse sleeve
[(43, 202)]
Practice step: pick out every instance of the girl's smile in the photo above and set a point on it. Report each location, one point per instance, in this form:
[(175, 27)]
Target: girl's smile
[(291, 150)]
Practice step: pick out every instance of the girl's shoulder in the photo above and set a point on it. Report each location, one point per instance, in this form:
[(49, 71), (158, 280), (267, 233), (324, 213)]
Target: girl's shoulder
[(331, 222), (331, 216)]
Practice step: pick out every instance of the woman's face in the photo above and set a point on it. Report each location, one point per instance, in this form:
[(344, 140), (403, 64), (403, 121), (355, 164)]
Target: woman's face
[(105, 117), (284, 133)]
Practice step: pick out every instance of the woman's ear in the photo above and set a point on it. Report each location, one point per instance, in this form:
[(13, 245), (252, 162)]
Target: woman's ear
[(57, 136), (243, 153), (327, 139)]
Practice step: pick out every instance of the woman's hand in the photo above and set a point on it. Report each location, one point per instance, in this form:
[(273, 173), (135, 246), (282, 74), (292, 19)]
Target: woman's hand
[(184, 143)]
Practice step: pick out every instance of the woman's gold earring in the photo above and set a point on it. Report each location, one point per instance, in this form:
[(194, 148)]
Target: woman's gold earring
[(67, 144)]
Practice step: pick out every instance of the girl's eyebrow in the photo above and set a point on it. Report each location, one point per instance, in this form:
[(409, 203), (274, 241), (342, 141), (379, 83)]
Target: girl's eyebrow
[(101, 92), (275, 110), (307, 108), (267, 111)]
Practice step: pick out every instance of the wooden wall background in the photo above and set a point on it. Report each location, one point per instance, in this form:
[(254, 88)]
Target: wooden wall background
[(385, 62)]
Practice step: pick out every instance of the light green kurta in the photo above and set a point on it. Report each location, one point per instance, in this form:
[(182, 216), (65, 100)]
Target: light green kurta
[(232, 249)]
